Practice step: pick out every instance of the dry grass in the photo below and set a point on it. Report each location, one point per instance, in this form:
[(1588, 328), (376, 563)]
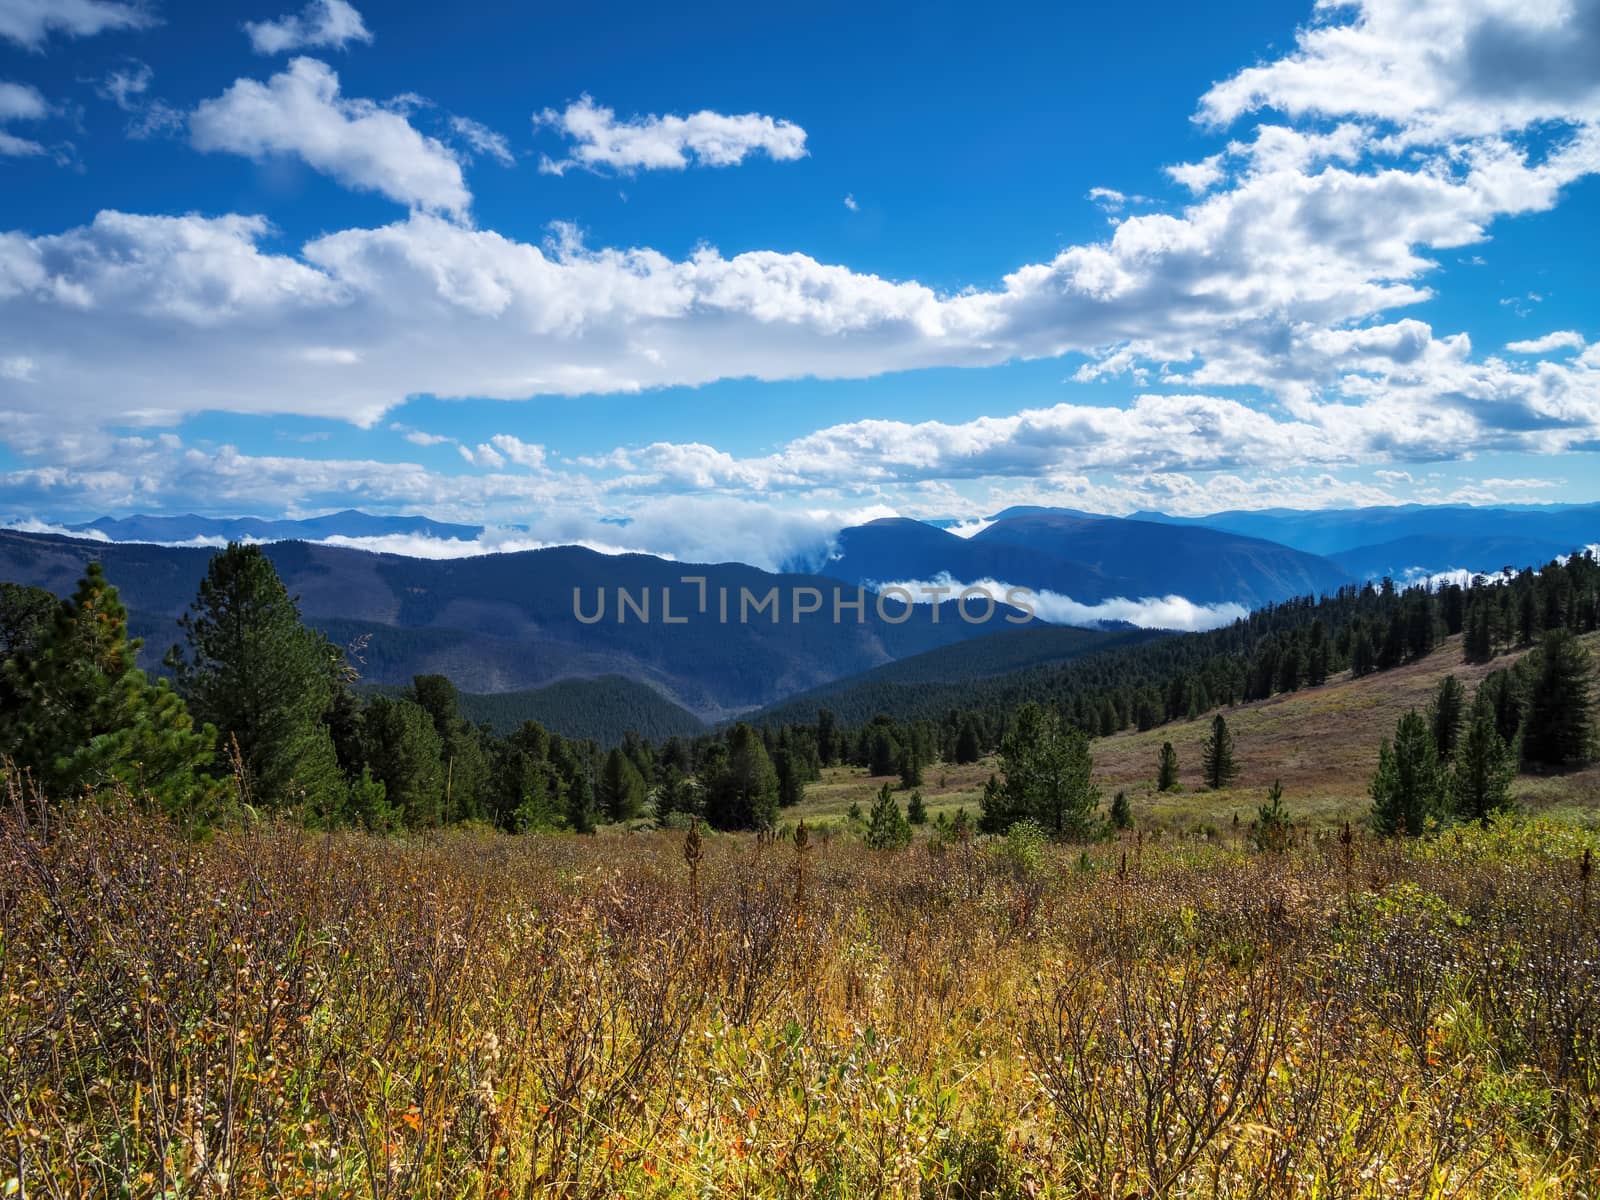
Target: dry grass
[(277, 1013), (1322, 742)]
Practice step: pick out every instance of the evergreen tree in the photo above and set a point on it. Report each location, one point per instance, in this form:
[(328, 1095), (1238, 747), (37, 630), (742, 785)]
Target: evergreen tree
[(466, 765), (887, 828), (827, 738), (916, 809), (86, 717), (1272, 829), (1363, 658), (622, 790), (1167, 767), (403, 750), (1217, 761), (1121, 812), (1392, 650), (910, 768), (1559, 730), (968, 746), (1047, 775), (791, 777), (675, 795), (582, 815), (1407, 791), (1446, 711), (884, 752), (1480, 783), (743, 793), (264, 680), (1478, 641), (368, 802), (1318, 655), (26, 615)]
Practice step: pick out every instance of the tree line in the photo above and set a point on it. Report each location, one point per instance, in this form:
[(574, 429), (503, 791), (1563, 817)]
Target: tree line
[(258, 709)]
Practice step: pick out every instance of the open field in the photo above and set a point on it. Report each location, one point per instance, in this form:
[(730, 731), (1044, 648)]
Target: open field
[(1321, 742), (280, 1013)]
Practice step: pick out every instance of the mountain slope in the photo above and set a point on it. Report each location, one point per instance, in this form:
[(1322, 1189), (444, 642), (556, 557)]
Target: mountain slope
[(602, 709), (961, 675), (1206, 566), (504, 622), (1091, 559)]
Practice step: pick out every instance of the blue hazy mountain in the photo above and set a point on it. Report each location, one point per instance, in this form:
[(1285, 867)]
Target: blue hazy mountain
[(1370, 542), (349, 523), (1090, 558)]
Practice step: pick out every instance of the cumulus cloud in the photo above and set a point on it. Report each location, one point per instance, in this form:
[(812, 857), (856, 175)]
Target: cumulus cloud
[(1562, 339), (20, 102), (1285, 281), (1198, 177), (1149, 612), (333, 23), (30, 22), (648, 143), (357, 142), (1433, 71)]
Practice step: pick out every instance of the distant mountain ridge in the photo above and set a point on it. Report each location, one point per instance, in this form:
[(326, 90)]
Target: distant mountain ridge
[(1089, 558), (1371, 542), (350, 522), (506, 622)]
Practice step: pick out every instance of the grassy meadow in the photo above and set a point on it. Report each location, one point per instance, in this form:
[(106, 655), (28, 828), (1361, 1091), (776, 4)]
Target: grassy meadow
[(275, 1012), (1322, 743)]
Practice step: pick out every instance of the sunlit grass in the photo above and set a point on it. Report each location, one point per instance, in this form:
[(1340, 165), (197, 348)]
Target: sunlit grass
[(274, 1012)]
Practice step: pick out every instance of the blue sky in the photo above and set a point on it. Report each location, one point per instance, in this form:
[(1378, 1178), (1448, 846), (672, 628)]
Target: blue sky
[(740, 275)]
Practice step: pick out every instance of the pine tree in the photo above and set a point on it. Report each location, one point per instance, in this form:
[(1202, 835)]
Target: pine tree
[(1363, 659), (1478, 641), (466, 765), (1559, 730), (968, 746), (264, 680), (1273, 828), (916, 809), (1167, 768), (887, 828), (86, 717), (1407, 791), (884, 752), (1121, 813), (743, 792), (1446, 711), (1480, 783), (582, 815), (1048, 777), (910, 768), (403, 751), (622, 790), (1217, 762)]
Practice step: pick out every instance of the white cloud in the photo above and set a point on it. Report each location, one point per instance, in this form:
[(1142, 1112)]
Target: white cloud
[(480, 139), (1148, 612), (850, 203), (1436, 71), (30, 22), (20, 102), (654, 143), (357, 142), (334, 23), (1562, 339), (127, 87), (1198, 177)]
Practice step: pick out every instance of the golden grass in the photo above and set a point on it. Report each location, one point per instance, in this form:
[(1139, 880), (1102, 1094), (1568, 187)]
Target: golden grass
[(280, 1013)]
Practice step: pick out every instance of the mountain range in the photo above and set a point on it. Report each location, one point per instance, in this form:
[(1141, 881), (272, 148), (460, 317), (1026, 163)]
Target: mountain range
[(503, 626), (505, 622)]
